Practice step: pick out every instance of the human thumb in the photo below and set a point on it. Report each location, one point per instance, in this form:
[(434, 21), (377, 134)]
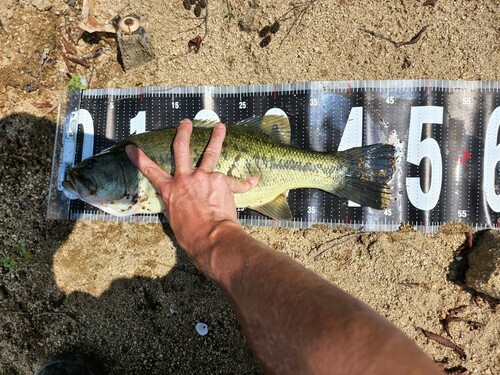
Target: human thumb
[(237, 185)]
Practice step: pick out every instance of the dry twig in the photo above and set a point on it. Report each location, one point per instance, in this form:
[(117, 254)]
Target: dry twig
[(346, 237), (413, 40)]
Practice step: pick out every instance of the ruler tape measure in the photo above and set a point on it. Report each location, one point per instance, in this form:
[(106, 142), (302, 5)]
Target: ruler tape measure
[(446, 134)]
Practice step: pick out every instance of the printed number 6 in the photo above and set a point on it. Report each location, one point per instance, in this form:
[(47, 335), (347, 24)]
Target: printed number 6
[(427, 148), (491, 159)]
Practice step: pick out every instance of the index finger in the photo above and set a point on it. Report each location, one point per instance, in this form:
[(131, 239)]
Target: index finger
[(148, 168)]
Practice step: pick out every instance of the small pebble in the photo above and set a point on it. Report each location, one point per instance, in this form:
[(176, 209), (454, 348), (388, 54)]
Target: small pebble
[(202, 329)]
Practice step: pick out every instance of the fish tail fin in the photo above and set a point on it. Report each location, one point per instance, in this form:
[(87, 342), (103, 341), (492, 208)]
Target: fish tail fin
[(369, 169)]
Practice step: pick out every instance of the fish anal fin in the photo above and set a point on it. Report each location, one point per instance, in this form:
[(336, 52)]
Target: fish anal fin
[(277, 209)]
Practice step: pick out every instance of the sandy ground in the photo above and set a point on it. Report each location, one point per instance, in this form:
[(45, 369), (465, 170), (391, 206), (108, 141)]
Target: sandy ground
[(125, 293)]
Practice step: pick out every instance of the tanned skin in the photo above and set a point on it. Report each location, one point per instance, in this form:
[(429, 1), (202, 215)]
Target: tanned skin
[(294, 321)]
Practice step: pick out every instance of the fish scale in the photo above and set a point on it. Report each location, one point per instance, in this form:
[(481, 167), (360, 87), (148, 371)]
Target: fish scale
[(302, 168)]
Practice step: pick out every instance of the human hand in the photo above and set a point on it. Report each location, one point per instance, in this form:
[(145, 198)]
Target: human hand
[(197, 200)]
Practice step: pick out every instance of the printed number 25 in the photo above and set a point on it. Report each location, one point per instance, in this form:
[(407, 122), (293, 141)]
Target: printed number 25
[(426, 148)]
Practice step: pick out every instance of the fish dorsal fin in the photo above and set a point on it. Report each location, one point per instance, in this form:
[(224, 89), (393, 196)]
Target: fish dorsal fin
[(274, 125), (203, 123), (278, 127), (277, 209)]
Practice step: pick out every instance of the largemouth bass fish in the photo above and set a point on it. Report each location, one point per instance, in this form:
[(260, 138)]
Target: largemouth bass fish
[(258, 146)]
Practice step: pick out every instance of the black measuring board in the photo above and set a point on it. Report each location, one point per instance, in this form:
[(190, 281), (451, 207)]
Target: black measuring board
[(446, 134)]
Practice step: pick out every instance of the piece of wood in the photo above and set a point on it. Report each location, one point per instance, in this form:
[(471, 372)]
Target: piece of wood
[(135, 49)]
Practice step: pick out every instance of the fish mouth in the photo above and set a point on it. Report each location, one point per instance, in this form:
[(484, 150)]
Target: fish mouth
[(70, 187), (78, 185)]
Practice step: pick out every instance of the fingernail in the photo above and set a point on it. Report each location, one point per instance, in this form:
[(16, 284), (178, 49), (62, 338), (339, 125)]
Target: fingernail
[(253, 180), (129, 149)]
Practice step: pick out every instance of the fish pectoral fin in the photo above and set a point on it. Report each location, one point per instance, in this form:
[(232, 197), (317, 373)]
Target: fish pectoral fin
[(277, 209)]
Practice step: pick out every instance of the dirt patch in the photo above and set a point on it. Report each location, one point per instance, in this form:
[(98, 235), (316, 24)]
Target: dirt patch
[(126, 293)]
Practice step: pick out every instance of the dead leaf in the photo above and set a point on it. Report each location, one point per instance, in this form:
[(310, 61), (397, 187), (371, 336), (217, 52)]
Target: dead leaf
[(446, 323), (95, 52), (443, 341), (406, 63), (195, 43), (92, 25), (42, 105), (78, 61), (71, 67), (457, 309), (68, 47), (413, 40)]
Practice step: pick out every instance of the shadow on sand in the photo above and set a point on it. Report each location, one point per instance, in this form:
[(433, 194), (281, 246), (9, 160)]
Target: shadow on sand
[(138, 325)]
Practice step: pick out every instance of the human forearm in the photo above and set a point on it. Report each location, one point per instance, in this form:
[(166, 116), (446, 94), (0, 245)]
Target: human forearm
[(297, 322)]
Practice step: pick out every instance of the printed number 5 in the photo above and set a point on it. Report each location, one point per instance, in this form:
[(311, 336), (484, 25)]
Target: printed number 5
[(427, 148)]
